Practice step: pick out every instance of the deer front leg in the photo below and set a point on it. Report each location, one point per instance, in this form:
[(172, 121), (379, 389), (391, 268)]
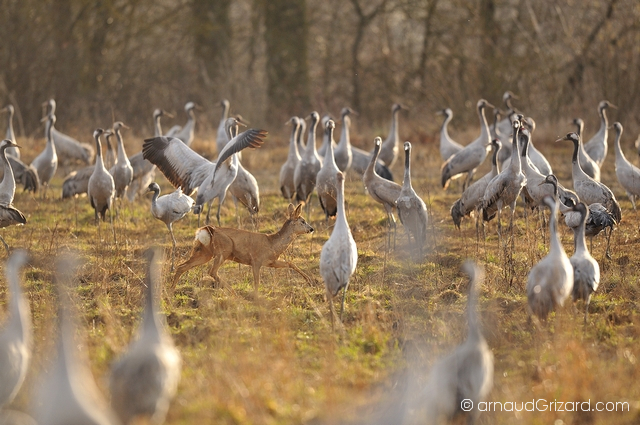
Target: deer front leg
[(199, 256), (256, 277), (278, 264)]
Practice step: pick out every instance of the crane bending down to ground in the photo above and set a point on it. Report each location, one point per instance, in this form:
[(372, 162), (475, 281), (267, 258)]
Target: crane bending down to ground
[(145, 378), (339, 255), (467, 373)]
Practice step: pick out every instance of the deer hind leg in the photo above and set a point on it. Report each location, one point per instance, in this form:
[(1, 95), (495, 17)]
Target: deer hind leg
[(213, 271), (256, 277)]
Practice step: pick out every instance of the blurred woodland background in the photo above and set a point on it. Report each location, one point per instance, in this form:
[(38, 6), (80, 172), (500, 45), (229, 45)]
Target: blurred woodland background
[(276, 58)]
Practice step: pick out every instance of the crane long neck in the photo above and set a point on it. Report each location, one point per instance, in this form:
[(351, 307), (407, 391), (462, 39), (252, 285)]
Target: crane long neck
[(122, 156), (579, 235), (293, 143), (10, 134), (393, 131), (49, 129), (341, 217), (154, 199), (577, 169), (19, 312), (445, 124), (619, 154), (374, 159), (329, 157), (485, 134), (407, 169), (150, 319), (495, 166), (225, 111), (556, 246), (158, 127), (515, 165), (345, 138), (311, 140), (99, 160), (8, 184), (472, 311)]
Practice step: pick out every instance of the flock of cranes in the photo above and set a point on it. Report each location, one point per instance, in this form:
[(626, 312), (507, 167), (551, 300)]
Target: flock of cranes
[(145, 378)]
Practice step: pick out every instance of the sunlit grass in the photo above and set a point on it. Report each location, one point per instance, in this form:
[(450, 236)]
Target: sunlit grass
[(275, 360)]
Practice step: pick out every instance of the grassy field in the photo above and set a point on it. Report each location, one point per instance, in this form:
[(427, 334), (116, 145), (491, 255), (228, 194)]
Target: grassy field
[(275, 360)]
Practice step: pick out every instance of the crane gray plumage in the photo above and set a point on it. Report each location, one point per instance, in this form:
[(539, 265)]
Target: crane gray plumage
[(448, 147), (169, 209), (322, 151), (304, 176), (287, 185), (536, 157), (68, 149), (589, 166), (472, 155), (25, 174), (381, 190), (597, 146), (244, 187), (412, 210), (46, 163), (339, 255), (589, 190), (77, 182), (16, 335), (67, 393), (225, 169), (222, 139), (535, 191), (505, 188), (628, 174), (9, 215), (586, 271), (598, 218), (471, 199), (466, 373), (10, 135), (101, 187), (343, 152), (326, 180), (302, 145), (144, 172), (360, 158), (389, 149), (145, 378), (550, 281), (121, 171), (186, 133)]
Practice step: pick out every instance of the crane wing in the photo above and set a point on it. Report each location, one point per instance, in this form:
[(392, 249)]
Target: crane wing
[(251, 138), (177, 161)]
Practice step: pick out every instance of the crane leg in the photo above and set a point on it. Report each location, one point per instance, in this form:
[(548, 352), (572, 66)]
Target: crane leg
[(607, 252), (6, 246), (344, 294), (173, 249), (331, 309)]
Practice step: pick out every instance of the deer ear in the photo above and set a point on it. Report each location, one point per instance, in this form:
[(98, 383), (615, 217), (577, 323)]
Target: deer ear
[(290, 210), (296, 213)]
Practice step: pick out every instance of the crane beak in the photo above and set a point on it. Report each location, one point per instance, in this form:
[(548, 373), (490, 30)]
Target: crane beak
[(45, 118), (561, 139), (488, 105), (611, 105), (165, 113), (241, 120)]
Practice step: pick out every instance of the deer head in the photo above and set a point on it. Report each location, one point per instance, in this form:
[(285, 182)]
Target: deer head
[(297, 223)]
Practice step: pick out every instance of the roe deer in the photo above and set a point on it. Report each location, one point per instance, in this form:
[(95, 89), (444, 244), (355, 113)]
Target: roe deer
[(245, 247)]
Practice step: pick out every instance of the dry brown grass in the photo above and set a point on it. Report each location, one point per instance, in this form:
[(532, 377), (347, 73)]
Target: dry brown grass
[(276, 361)]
